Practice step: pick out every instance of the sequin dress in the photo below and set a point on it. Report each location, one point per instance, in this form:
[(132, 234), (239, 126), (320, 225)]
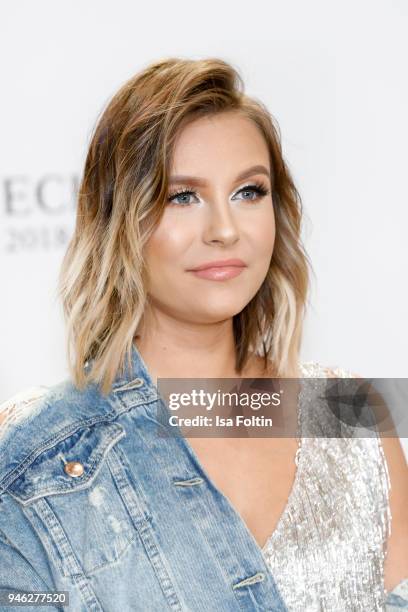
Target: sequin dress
[(328, 550)]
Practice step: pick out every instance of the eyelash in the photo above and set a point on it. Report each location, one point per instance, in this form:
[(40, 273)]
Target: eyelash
[(258, 188)]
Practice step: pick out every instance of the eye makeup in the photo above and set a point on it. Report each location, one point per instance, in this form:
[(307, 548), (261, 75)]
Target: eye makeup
[(257, 187)]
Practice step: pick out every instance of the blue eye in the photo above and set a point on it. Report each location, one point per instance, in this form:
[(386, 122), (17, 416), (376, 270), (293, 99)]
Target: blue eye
[(257, 189), (184, 193)]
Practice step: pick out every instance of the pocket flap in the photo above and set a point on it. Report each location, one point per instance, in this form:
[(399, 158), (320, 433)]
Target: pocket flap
[(70, 464)]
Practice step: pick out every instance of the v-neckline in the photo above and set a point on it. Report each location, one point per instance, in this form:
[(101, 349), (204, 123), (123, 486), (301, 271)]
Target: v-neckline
[(189, 449), (262, 549)]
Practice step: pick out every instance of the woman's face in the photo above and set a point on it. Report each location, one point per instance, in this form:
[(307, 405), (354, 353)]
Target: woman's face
[(220, 216)]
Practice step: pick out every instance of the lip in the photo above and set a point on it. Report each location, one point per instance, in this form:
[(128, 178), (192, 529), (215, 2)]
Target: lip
[(218, 273), (221, 263), (219, 270)]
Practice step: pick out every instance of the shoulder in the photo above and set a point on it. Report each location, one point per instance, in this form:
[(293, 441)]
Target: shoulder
[(315, 369), (39, 417), (19, 405)]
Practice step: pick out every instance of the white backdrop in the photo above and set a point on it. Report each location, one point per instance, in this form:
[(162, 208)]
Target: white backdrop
[(334, 74)]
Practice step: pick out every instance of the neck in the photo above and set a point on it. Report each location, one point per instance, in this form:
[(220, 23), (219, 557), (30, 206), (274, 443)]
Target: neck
[(180, 349)]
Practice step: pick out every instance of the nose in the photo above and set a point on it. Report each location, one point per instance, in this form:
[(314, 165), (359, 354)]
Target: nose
[(221, 225)]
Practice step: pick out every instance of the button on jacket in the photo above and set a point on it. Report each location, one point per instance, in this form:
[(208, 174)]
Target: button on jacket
[(94, 501)]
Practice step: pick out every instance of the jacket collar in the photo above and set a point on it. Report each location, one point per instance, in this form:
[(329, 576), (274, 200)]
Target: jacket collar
[(135, 376)]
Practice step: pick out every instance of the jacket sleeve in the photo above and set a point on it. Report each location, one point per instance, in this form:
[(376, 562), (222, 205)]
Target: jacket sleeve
[(397, 599), (18, 574)]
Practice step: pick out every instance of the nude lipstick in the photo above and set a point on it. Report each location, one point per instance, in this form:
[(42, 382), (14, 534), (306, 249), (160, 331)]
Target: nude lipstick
[(219, 270)]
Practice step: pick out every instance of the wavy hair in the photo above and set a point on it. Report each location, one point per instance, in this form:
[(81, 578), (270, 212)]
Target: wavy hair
[(121, 196)]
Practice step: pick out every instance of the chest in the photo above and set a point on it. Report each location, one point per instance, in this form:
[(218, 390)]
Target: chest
[(256, 475)]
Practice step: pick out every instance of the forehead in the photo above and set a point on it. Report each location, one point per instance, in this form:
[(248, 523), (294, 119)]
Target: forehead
[(218, 141)]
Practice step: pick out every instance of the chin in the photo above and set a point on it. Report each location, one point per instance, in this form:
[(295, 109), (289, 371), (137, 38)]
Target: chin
[(220, 313)]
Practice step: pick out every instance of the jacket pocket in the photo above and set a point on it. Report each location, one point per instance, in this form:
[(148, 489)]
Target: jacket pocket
[(76, 494)]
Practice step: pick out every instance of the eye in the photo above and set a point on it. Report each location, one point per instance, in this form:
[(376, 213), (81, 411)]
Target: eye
[(181, 196), (257, 189), (184, 194)]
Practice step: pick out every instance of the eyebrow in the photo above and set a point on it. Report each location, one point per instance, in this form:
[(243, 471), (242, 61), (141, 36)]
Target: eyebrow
[(200, 182)]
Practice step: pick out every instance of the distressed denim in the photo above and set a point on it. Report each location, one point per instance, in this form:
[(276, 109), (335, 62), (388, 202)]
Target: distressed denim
[(134, 524)]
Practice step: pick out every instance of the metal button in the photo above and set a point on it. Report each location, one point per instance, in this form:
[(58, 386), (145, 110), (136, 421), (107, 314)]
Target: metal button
[(74, 468)]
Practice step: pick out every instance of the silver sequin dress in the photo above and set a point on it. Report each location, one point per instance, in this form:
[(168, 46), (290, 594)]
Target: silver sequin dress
[(328, 550)]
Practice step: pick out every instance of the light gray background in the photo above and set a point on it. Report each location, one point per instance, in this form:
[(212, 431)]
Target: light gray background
[(334, 74)]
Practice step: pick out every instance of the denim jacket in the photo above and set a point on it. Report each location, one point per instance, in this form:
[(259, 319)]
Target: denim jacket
[(94, 503)]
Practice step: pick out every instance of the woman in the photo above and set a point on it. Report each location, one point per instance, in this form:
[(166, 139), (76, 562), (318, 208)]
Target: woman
[(184, 171)]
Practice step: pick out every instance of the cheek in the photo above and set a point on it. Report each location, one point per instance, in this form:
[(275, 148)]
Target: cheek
[(166, 248), (263, 236)]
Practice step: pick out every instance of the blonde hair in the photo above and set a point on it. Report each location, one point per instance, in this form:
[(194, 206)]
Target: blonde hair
[(121, 197)]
